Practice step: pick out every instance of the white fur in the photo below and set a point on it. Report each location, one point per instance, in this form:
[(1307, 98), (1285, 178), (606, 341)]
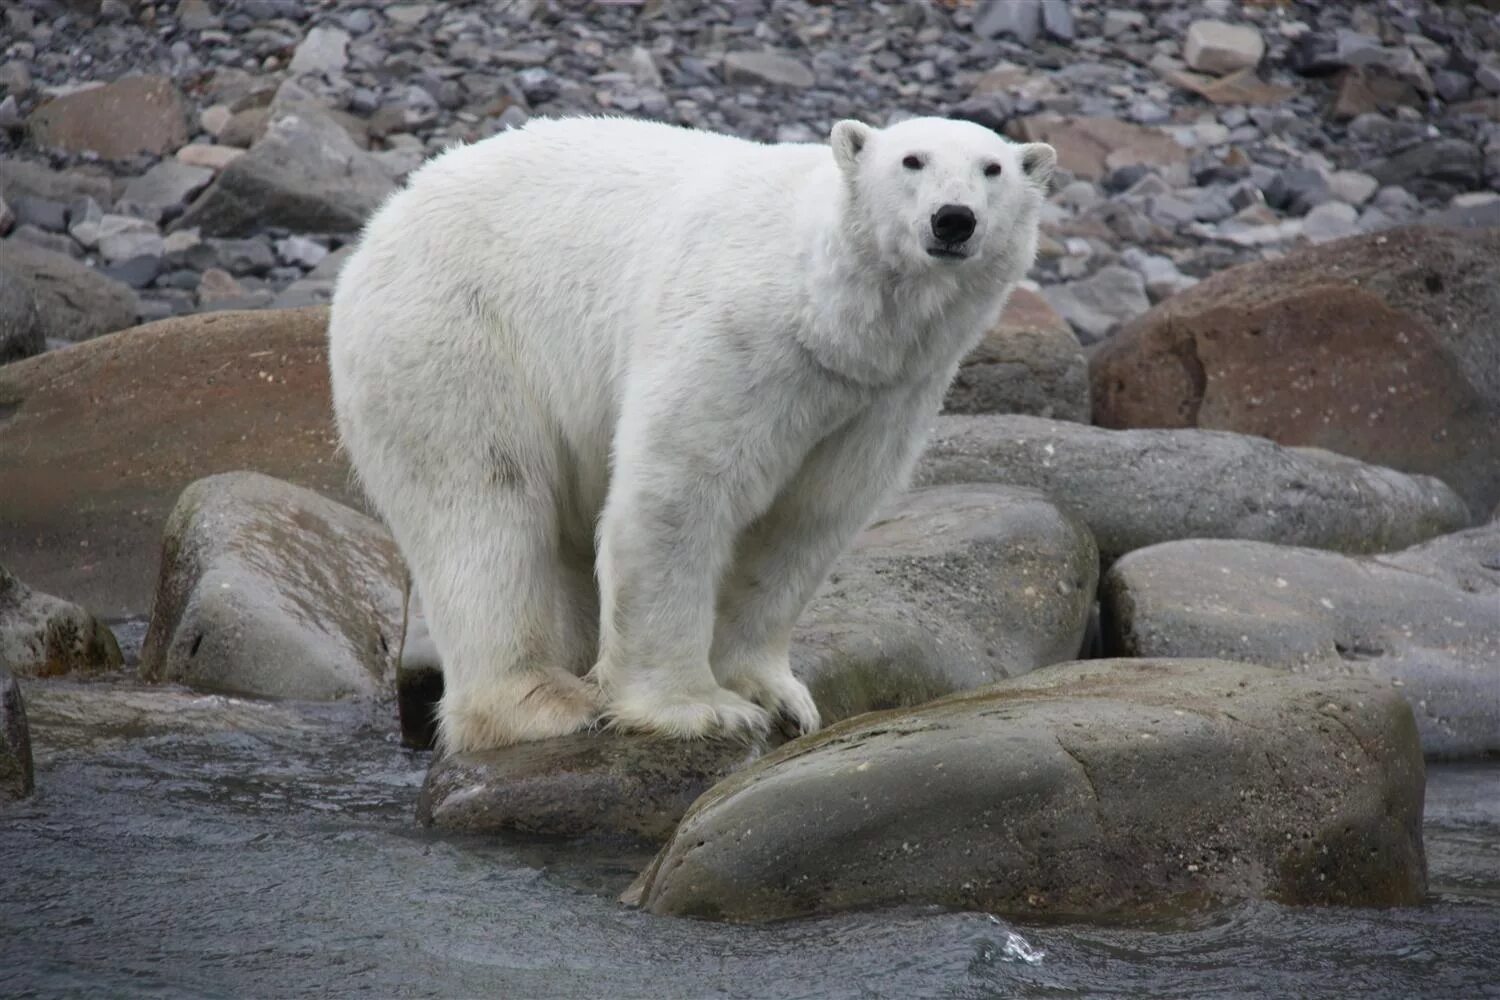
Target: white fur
[(624, 391)]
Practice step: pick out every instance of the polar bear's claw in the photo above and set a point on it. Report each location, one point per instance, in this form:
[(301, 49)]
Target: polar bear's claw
[(688, 715)]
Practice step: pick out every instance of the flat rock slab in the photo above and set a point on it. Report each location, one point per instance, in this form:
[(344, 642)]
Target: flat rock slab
[(1092, 789), (1029, 363), (584, 785), (1385, 347), (269, 589), (17, 778), (1425, 621), (952, 588), (305, 174), (107, 434), (141, 114), (1138, 488), (42, 636), (1091, 147)]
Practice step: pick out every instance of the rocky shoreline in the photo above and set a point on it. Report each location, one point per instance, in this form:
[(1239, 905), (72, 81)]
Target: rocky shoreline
[(1240, 437)]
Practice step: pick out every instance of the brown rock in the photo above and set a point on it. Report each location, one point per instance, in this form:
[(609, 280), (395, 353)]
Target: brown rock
[(1385, 347), (1029, 363), (141, 114), (105, 435), (1362, 90), (245, 127), (216, 158), (1243, 87), (1091, 147)]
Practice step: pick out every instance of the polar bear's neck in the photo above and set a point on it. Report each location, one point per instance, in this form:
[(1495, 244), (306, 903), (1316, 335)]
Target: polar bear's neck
[(871, 320)]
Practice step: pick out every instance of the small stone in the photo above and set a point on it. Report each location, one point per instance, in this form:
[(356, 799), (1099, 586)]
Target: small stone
[(45, 636), (1218, 47), (1160, 274), (301, 251), (1298, 189), (1019, 19), (54, 242), (196, 15), (122, 237), (1351, 186), (1096, 306), (408, 15), (768, 68), (214, 158), (217, 286), (168, 184), (44, 213), (137, 272), (323, 50), (214, 118), (1330, 221)]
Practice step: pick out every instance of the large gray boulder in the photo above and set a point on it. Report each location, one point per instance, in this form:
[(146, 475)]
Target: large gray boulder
[(953, 588), (1425, 621), (68, 300), (270, 589), (17, 779), (44, 636), (1141, 487), (305, 174), (1099, 788)]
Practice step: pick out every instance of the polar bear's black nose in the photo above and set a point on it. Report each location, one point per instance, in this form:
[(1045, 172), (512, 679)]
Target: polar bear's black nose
[(953, 223)]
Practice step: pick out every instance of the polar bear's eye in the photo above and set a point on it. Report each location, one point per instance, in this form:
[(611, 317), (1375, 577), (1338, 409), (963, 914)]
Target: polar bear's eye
[(992, 170), (912, 163)]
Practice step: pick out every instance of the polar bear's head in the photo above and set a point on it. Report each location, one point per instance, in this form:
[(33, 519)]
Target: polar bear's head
[(934, 192)]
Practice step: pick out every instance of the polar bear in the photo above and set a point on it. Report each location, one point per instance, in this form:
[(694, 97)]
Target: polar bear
[(623, 391)]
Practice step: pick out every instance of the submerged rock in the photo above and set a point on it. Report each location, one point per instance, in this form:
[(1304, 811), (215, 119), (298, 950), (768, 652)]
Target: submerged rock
[(1090, 789), (44, 636), (583, 785), (1138, 488), (16, 775), (270, 589), (1425, 621)]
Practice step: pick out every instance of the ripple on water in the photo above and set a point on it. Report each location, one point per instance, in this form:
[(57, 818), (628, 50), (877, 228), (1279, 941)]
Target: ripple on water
[(192, 845)]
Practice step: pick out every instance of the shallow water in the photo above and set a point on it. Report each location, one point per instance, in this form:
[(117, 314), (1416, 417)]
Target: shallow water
[(189, 845)]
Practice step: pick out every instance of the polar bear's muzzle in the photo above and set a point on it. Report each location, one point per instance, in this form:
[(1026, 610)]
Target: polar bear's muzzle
[(952, 225)]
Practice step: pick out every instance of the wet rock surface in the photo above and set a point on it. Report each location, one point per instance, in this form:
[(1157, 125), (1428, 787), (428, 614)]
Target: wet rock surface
[(1029, 363), (17, 776), (44, 636), (272, 590), (579, 786), (1425, 621), (1383, 347), (185, 398), (951, 588), (1141, 487), (1112, 786)]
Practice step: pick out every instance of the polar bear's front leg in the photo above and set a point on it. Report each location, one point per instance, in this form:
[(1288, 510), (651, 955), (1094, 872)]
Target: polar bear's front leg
[(784, 556)]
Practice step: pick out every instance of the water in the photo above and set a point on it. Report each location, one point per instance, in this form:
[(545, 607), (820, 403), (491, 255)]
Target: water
[(184, 845)]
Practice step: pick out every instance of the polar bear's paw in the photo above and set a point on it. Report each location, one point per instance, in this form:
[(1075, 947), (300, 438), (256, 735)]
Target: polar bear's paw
[(527, 706), (692, 714), (786, 698)]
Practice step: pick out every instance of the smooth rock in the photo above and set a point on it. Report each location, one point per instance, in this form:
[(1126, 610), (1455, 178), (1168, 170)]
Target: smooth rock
[(140, 114), (272, 590), (122, 237), (306, 174), (1095, 306), (168, 184), (44, 636), (73, 302), (186, 398), (21, 178), (1104, 788), (1219, 48), (1384, 347), (770, 68), (1240, 88), (1092, 147), (1029, 363), (1352, 186), (323, 50), (1331, 220), (950, 588), (583, 785), (17, 779), (1425, 621), (1138, 488), (21, 333), (215, 158)]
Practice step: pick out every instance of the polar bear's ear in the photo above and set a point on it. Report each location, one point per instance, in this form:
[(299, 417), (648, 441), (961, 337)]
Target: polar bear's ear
[(848, 138), (1038, 160)]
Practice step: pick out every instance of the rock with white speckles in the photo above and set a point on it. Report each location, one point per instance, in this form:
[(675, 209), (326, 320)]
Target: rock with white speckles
[(1425, 620)]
